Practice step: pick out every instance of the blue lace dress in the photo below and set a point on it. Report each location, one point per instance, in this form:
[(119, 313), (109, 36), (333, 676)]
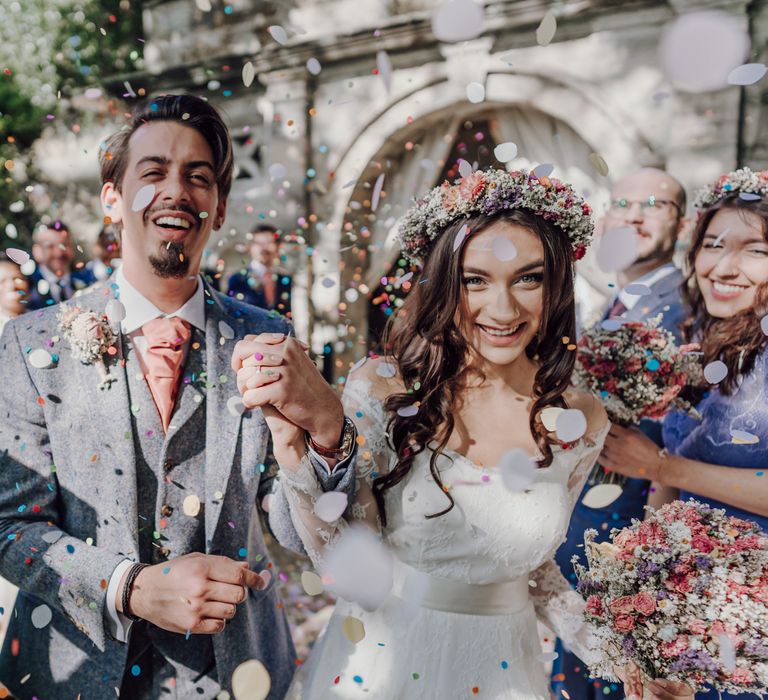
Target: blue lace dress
[(711, 440)]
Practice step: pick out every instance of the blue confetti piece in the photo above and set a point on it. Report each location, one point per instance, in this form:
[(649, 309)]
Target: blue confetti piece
[(135, 670), (186, 636), (358, 679), (504, 665), (71, 549), (21, 509), (760, 473), (167, 570), (242, 551), (653, 364)]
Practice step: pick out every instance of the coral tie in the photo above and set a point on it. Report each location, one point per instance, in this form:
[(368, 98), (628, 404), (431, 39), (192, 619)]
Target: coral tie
[(163, 359)]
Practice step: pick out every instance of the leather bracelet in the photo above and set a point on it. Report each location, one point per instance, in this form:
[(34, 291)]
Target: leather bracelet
[(133, 572), (346, 442)]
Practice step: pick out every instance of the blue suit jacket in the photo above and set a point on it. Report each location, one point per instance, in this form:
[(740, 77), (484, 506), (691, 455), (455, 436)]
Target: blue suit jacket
[(250, 287), (79, 279)]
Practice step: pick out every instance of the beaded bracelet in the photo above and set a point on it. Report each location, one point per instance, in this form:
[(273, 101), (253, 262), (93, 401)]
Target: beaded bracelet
[(133, 572)]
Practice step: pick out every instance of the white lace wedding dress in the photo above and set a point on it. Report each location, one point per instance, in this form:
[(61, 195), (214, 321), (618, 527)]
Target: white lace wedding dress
[(486, 574)]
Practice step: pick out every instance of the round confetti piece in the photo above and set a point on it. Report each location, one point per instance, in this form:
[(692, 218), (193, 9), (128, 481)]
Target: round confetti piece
[(52, 537), (546, 29), (313, 66), (547, 656), (40, 359), (612, 324), (353, 629), (457, 20), (223, 695), (747, 74), (742, 437), (504, 249), (191, 505), (461, 234), (278, 34), (115, 311), (330, 506), (637, 289), (505, 152), (764, 324), (143, 198), (571, 425), (750, 196), (135, 670), (408, 411), (715, 372), (351, 295), (203, 214), (311, 583), (598, 163), (41, 616), (653, 364), (549, 417), (602, 495), (251, 681), (249, 73), (226, 330), (235, 406), (543, 170), (518, 470), (203, 5), (386, 370), (617, 249), (475, 93), (465, 167), (277, 171), (11, 231), (727, 653), (20, 257), (328, 282)]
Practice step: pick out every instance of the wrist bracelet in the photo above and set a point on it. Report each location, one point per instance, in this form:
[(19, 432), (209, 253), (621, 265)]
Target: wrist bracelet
[(133, 572)]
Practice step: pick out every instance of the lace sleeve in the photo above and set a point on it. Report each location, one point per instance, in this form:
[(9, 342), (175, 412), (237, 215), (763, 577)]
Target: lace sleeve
[(557, 605), (303, 491)]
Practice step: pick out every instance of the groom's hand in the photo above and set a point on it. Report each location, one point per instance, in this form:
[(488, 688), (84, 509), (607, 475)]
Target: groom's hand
[(194, 593)]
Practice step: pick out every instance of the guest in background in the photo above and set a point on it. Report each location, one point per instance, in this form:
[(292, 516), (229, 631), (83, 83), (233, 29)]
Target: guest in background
[(14, 289), (262, 283), (652, 202), (720, 459), (55, 279), (106, 254)]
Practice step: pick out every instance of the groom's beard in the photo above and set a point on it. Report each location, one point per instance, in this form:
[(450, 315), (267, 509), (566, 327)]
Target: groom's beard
[(170, 261)]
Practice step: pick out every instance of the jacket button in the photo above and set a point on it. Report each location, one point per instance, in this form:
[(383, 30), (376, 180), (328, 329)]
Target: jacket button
[(168, 465), (166, 511)]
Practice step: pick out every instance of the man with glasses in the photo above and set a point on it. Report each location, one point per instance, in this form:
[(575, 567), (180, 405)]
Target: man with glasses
[(651, 202)]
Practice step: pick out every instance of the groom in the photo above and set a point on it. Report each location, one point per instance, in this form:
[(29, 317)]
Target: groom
[(130, 477)]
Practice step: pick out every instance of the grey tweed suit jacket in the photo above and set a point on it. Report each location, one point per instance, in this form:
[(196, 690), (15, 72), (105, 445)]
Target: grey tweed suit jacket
[(68, 505)]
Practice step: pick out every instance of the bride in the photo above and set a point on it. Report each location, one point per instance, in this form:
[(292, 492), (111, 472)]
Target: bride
[(479, 361)]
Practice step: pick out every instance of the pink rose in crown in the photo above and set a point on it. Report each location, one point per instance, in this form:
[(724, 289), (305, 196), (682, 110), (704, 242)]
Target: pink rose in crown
[(624, 623), (622, 606), (645, 603)]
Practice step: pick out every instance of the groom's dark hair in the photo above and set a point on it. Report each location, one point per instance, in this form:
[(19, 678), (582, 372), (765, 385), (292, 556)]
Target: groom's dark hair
[(188, 110)]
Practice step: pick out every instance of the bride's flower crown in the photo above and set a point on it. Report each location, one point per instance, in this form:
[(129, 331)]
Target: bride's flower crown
[(742, 182), (489, 192)]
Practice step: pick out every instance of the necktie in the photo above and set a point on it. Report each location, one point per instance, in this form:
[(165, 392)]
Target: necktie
[(617, 309), (164, 356), (270, 289)]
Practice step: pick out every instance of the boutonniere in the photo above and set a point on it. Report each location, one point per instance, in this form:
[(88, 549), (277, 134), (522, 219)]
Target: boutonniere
[(91, 338)]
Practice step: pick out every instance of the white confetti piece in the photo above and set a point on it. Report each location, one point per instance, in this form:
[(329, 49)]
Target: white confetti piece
[(20, 257), (52, 537), (546, 29), (742, 437), (747, 74), (115, 311), (278, 34), (41, 616), (277, 171), (617, 249), (351, 295), (386, 370), (598, 163), (465, 167), (313, 66), (764, 324), (426, 163), (571, 425), (547, 657), (251, 681), (384, 66), (143, 198), (377, 187), (637, 289), (727, 653), (328, 282), (715, 372), (191, 505), (549, 417), (400, 281), (612, 324), (457, 20), (235, 406), (505, 152), (353, 629), (249, 73), (408, 411), (543, 170), (475, 93), (203, 5), (330, 506), (11, 231), (461, 234), (311, 583), (504, 249), (226, 330), (40, 359), (602, 495), (518, 470)]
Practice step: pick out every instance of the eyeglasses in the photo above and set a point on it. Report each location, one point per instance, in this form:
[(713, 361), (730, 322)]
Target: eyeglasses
[(653, 206)]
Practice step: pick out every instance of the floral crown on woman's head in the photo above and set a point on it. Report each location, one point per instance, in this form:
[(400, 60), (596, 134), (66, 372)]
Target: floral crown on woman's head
[(490, 192), (748, 184)]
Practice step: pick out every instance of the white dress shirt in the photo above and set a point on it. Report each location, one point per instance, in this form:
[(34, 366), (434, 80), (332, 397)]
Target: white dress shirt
[(649, 279), (56, 284)]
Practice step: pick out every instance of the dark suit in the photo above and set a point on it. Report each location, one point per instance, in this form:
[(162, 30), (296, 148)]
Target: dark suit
[(251, 287), (568, 672), (78, 280)]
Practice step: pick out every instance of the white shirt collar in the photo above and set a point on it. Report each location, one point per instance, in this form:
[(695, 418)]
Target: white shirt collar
[(50, 277), (648, 279), (140, 310)]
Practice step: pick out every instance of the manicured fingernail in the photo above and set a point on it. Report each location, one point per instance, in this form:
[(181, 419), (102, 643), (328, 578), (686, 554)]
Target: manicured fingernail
[(265, 576), (258, 356), (277, 335)]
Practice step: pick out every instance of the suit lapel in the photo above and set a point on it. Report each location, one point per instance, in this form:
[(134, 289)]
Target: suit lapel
[(192, 387)]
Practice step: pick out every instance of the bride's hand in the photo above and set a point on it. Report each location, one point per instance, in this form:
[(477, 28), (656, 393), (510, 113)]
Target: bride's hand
[(660, 689), (669, 690)]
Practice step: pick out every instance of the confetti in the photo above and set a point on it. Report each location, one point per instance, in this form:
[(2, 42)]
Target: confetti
[(330, 506), (384, 66), (742, 437), (637, 289), (235, 406), (226, 330), (475, 93), (549, 417), (191, 505), (518, 470), (143, 198), (41, 616), (377, 187), (353, 629), (40, 359), (748, 74), (313, 66), (11, 231), (408, 411), (204, 5), (505, 152), (727, 653), (461, 234), (598, 163), (328, 282), (602, 495), (571, 425), (715, 372), (277, 171), (465, 167), (249, 73), (251, 681), (547, 657), (312, 583), (543, 170), (115, 311), (504, 249), (20, 257), (457, 20), (617, 249), (278, 34), (546, 29), (386, 370), (764, 324)]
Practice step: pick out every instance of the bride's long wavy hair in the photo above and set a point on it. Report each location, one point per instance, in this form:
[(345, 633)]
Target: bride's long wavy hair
[(431, 351), (736, 340)]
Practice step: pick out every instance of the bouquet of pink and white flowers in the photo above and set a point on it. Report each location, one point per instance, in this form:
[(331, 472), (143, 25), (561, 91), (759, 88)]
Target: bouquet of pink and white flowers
[(683, 594), (637, 370)]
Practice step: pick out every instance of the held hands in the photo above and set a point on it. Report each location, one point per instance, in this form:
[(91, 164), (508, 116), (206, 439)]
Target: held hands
[(638, 688), (276, 374), (199, 593), (627, 451)]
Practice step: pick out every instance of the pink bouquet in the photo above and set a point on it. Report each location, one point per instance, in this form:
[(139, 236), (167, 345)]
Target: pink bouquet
[(637, 370), (683, 594)]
